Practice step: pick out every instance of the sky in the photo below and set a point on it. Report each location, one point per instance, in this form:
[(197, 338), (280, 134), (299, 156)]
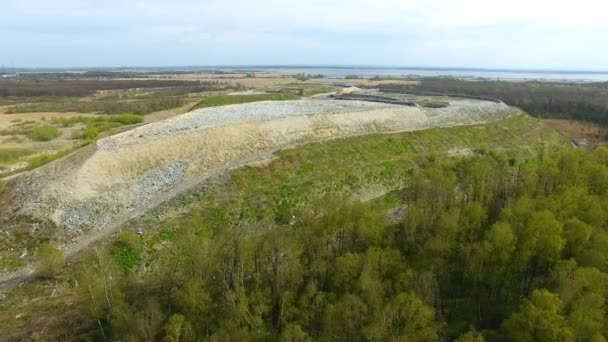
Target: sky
[(514, 34)]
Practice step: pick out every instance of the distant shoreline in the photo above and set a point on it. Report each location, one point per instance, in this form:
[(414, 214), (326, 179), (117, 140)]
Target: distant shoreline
[(341, 71), (297, 66)]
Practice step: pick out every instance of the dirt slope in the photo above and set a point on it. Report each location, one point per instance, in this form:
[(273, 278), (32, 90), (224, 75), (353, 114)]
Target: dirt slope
[(93, 191)]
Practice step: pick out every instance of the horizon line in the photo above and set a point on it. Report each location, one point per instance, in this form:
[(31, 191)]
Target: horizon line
[(314, 66)]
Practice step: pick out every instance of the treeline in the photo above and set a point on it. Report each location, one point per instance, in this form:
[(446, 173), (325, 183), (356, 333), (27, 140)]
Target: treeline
[(583, 102), (79, 88), (100, 106), (79, 75), (484, 248)]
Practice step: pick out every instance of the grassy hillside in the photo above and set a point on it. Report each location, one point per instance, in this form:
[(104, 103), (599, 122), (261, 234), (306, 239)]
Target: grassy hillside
[(256, 200), (361, 166)]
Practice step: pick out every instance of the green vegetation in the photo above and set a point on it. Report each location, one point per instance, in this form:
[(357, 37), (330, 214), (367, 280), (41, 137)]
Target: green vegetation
[(126, 251), (49, 260), (459, 246), (394, 78), (57, 93), (309, 89), (8, 155), (222, 100), (102, 106), (353, 77), (44, 132), (79, 88), (302, 77), (487, 245), (305, 77), (46, 158), (578, 101), (96, 125)]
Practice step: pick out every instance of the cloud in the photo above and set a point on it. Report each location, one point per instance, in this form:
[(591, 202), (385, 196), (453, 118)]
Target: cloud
[(517, 33)]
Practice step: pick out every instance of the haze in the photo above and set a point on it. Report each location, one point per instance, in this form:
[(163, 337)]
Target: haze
[(567, 35)]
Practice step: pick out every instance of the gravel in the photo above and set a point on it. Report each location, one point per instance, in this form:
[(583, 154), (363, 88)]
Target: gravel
[(251, 112), (128, 173), (158, 180)]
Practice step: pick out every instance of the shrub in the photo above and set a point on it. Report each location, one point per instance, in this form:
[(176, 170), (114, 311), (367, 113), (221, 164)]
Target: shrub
[(302, 77), (93, 129), (49, 260), (353, 77), (126, 251), (44, 132), (126, 118), (96, 125)]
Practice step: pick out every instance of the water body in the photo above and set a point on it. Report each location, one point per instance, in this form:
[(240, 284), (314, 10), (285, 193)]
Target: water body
[(367, 72), (464, 73)]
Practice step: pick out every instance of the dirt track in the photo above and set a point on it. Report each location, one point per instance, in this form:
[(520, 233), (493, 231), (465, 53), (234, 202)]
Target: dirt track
[(95, 190)]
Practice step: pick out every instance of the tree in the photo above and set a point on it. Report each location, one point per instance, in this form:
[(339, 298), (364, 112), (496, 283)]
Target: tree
[(294, 333), (178, 329), (583, 292), (344, 320), (405, 318), (195, 302), (470, 337), (98, 288), (539, 319), (577, 234)]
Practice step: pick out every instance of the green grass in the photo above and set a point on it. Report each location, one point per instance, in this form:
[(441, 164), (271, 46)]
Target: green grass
[(96, 125), (301, 176), (44, 133), (223, 100), (8, 155), (124, 119), (125, 255), (43, 159)]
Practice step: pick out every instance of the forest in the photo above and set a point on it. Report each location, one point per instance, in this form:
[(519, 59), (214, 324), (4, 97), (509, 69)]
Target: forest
[(76, 88), (488, 247), (35, 93), (577, 101)]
